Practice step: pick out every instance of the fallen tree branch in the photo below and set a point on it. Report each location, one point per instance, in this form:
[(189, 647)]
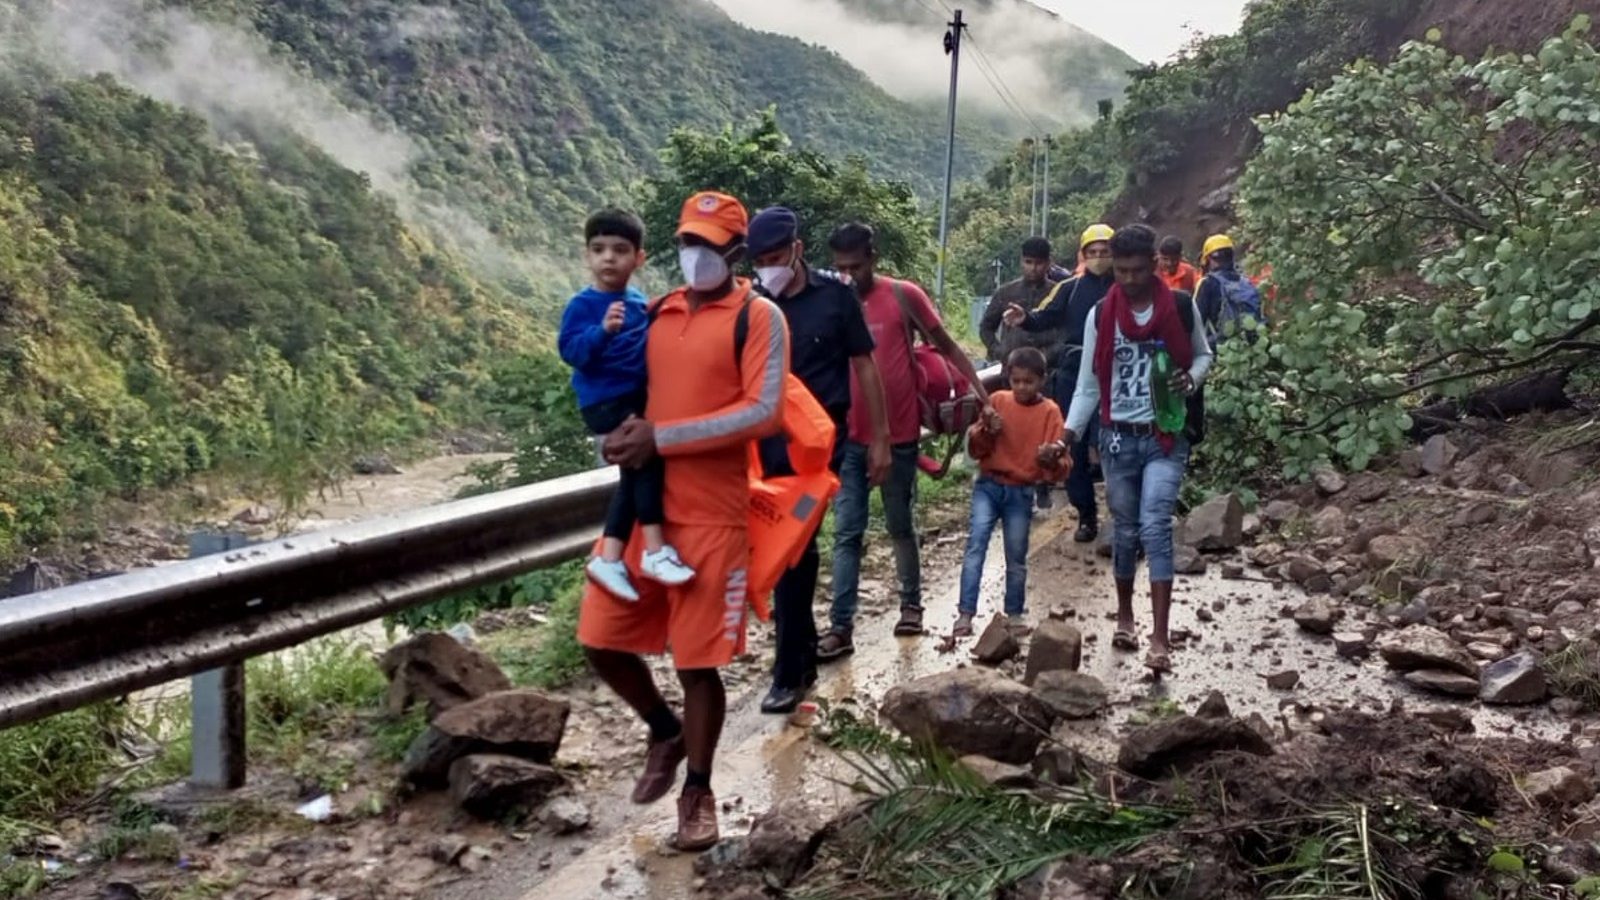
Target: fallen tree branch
[(1545, 391), (1564, 343)]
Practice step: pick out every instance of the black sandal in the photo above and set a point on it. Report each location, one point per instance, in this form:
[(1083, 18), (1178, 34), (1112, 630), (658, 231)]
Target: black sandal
[(910, 624)]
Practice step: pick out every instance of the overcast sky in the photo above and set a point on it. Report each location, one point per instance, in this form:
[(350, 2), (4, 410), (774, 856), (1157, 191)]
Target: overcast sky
[(1150, 30)]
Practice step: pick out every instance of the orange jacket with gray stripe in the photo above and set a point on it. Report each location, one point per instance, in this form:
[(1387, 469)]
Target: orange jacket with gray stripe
[(706, 406)]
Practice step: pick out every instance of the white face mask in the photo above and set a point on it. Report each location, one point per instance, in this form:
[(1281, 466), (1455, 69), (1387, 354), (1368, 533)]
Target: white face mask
[(776, 279), (703, 268)]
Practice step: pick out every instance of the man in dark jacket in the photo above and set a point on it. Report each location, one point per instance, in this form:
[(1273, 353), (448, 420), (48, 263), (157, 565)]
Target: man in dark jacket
[(1065, 309), (829, 340), (999, 339)]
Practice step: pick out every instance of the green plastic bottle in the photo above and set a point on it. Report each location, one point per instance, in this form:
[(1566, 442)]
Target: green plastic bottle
[(1172, 408)]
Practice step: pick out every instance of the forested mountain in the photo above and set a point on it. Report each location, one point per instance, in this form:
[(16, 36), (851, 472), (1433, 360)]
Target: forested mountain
[(169, 304), (531, 112), (258, 234)]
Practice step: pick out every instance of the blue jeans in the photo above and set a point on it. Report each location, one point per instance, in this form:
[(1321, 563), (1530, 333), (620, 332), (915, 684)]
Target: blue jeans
[(899, 494), (1012, 507), (1142, 482)]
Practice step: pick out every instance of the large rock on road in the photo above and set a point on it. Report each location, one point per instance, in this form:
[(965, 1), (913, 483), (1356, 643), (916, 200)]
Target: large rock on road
[(439, 671), (1424, 647), (1178, 744), (1071, 695), (490, 785), (1217, 524), (522, 723), (1054, 647), (1515, 679), (970, 711)]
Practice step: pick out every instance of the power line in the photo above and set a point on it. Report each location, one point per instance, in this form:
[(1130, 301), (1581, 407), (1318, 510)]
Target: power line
[(990, 76), (1007, 95)]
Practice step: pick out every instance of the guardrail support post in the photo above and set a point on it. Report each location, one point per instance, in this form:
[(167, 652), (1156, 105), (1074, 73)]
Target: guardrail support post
[(217, 701)]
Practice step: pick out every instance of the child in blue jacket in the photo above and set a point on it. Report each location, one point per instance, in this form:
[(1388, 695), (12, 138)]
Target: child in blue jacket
[(603, 332)]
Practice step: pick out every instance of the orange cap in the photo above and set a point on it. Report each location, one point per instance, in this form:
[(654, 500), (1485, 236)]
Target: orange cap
[(716, 217)]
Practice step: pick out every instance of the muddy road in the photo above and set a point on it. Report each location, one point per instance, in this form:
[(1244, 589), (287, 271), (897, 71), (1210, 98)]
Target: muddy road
[(1246, 636)]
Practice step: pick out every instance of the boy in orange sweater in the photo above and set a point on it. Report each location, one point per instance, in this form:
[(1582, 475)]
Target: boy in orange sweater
[(1018, 446)]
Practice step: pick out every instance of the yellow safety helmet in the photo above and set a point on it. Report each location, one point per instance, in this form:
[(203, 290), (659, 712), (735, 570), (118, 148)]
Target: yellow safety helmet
[(1094, 234), (1214, 243)]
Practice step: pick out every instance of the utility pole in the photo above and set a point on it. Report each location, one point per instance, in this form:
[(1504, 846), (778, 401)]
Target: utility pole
[(1044, 205), (952, 47), (1033, 186)]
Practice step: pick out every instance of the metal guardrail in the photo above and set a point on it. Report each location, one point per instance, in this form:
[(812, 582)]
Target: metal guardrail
[(67, 648)]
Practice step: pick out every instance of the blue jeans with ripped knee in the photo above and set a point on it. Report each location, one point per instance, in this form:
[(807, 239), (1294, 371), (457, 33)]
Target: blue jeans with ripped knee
[(1142, 482)]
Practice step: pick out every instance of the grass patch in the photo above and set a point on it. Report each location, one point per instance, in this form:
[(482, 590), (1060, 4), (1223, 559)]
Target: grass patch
[(546, 657), (298, 699), (1335, 855), (137, 831), (844, 730), (1158, 709), (392, 735), (24, 879), (244, 816), (46, 766), (1575, 673)]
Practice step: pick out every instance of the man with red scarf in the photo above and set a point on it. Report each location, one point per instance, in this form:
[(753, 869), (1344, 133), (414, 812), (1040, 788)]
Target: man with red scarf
[(1143, 466)]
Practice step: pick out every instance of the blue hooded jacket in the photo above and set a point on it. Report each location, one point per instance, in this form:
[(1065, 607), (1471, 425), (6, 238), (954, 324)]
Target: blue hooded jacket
[(604, 366)]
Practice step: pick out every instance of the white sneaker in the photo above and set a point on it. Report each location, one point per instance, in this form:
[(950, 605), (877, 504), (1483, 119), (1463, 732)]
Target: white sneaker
[(665, 567), (612, 574)]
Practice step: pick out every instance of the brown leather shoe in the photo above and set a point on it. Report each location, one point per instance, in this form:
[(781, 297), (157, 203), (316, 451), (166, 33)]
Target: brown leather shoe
[(697, 820), (660, 770)]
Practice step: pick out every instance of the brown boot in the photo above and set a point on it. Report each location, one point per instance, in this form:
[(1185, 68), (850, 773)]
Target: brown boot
[(660, 770), (697, 820)]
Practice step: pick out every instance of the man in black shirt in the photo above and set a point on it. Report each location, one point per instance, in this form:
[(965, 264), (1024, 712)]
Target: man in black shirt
[(828, 338), (999, 338)]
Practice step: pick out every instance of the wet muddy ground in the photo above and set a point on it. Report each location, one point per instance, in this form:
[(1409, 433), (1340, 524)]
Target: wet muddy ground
[(764, 759), (1237, 632)]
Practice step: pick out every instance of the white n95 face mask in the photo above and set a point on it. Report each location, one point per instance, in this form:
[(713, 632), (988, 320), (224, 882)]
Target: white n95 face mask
[(776, 279), (703, 268)]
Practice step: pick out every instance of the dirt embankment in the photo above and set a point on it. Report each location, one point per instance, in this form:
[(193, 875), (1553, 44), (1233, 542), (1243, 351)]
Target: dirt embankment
[(1195, 199)]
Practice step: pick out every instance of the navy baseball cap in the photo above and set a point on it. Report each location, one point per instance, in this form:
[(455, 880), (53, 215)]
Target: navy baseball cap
[(771, 229)]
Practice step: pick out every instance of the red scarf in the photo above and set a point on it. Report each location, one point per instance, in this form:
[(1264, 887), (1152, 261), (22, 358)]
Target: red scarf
[(1165, 326)]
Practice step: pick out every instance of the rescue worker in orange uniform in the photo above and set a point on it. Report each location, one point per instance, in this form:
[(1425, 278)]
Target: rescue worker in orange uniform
[(1173, 269), (706, 404)]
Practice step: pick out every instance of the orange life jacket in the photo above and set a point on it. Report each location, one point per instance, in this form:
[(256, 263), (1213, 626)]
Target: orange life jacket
[(786, 510)]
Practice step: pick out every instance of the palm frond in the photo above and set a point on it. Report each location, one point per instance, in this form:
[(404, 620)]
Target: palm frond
[(1334, 857), (937, 829)]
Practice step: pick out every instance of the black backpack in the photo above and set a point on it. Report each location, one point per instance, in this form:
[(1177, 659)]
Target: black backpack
[(1194, 426)]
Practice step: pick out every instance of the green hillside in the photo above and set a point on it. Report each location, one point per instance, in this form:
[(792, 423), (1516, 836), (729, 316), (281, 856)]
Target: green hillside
[(531, 112), (196, 285), (169, 305)]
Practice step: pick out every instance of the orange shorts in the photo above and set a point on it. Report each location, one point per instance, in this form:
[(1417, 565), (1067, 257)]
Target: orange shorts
[(702, 622)]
